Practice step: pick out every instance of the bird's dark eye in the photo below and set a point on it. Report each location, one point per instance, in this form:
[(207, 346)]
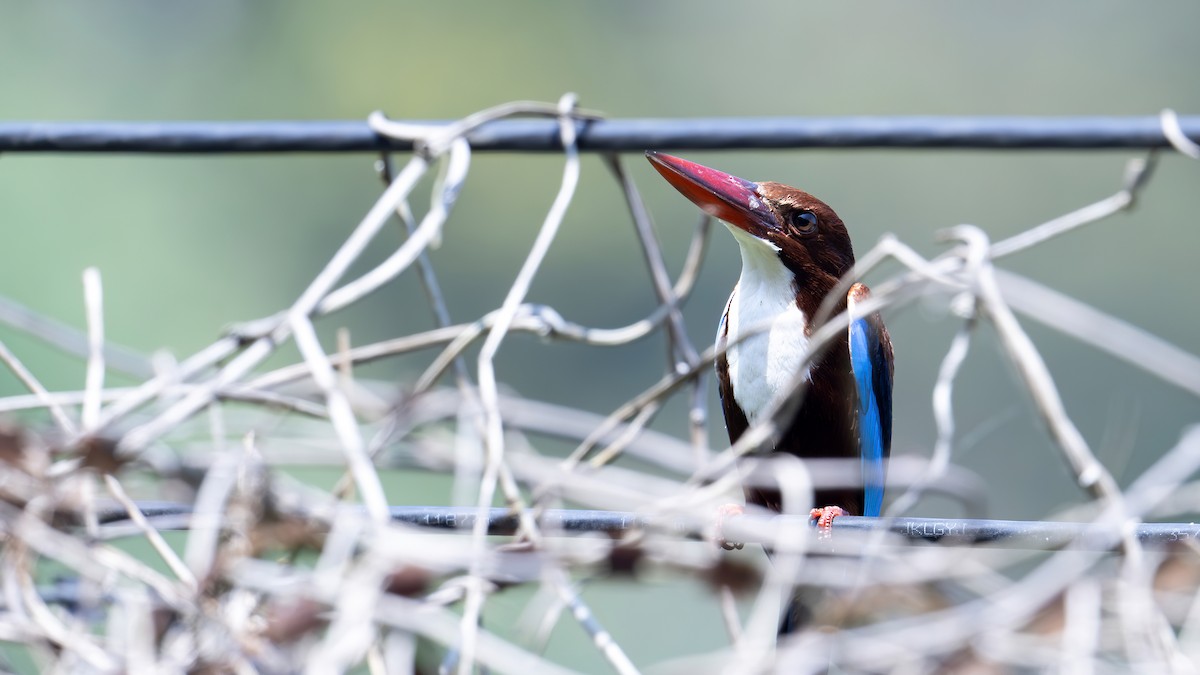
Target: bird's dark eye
[(805, 222)]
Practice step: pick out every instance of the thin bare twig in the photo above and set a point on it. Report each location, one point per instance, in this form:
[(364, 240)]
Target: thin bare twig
[(34, 385), (488, 391), (156, 540), (93, 297), (344, 422)]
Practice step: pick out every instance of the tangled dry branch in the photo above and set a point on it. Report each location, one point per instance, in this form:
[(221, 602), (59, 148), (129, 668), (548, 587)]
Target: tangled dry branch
[(274, 575)]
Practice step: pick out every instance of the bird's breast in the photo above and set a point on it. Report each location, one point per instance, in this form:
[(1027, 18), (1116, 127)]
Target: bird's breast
[(763, 366)]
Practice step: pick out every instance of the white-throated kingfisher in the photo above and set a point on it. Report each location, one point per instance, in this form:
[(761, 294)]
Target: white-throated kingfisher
[(795, 250)]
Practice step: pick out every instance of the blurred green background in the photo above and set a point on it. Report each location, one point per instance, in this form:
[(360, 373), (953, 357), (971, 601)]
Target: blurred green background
[(188, 245)]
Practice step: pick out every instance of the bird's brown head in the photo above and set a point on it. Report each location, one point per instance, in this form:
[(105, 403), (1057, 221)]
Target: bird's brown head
[(807, 235)]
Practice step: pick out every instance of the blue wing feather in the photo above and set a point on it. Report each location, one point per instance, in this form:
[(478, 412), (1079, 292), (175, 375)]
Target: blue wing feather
[(870, 359)]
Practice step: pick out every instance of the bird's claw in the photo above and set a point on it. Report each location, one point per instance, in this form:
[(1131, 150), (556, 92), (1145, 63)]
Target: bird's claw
[(825, 515)]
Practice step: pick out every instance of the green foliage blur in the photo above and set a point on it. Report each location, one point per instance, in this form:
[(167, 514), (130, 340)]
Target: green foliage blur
[(189, 245)]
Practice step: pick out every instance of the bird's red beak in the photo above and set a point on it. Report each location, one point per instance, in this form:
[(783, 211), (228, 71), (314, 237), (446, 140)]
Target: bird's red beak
[(732, 199)]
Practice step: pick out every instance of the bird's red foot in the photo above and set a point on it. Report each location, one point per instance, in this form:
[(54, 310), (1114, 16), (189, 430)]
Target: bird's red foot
[(725, 512), (824, 516)]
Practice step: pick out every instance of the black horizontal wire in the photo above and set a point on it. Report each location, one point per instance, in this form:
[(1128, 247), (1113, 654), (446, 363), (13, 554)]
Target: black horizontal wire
[(1031, 534), (1008, 533), (621, 135)]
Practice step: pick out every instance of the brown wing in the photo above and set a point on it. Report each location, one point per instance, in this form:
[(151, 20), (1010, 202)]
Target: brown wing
[(735, 419)]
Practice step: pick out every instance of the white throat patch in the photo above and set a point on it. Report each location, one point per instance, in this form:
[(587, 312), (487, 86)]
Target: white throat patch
[(761, 367)]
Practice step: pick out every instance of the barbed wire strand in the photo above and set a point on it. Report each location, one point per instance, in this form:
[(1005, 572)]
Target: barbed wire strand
[(926, 132)]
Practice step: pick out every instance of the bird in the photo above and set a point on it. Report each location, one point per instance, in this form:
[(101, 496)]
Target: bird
[(795, 251)]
